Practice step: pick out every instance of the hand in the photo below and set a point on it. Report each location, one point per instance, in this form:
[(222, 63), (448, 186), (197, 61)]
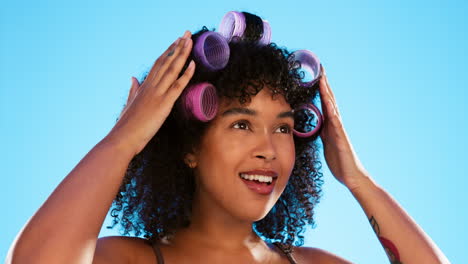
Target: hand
[(134, 89), (149, 104), (339, 153)]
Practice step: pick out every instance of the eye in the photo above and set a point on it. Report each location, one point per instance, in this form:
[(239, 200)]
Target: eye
[(243, 125), (286, 129)]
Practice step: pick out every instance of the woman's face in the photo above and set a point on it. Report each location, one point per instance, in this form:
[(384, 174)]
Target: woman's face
[(254, 139)]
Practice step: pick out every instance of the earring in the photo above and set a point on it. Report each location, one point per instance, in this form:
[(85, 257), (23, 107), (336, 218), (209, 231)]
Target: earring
[(192, 165)]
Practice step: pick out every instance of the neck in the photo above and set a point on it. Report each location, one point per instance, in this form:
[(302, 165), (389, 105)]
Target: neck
[(211, 225)]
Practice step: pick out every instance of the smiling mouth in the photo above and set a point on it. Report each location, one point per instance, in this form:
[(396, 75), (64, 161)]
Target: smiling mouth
[(258, 179), (260, 184)]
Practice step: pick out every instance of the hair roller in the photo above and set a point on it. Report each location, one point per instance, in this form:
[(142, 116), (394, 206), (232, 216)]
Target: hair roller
[(212, 51), (237, 25), (306, 121), (310, 62), (266, 36), (200, 101), (232, 25)]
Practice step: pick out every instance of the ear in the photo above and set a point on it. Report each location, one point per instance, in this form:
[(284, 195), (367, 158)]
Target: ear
[(191, 160)]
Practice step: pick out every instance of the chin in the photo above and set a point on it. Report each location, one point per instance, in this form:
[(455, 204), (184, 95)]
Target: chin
[(253, 213)]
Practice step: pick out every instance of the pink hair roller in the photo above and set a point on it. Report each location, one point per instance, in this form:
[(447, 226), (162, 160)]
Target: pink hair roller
[(200, 101), (319, 117)]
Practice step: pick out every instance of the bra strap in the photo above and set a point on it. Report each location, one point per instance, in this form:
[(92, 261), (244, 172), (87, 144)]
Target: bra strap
[(158, 253), (287, 250)]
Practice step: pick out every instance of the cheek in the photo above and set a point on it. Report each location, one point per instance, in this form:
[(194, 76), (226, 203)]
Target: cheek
[(221, 156), (288, 156), (226, 149)]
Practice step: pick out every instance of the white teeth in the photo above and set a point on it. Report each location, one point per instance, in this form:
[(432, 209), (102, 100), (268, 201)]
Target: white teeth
[(260, 178)]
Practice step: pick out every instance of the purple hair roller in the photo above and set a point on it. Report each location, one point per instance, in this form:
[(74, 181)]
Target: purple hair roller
[(310, 62), (212, 50), (266, 37), (312, 108), (200, 101), (233, 25)]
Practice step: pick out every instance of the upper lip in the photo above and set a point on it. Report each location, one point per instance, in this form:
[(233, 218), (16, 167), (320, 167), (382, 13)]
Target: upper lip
[(264, 172)]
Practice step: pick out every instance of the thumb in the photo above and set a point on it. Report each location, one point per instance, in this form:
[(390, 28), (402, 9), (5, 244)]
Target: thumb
[(133, 89), (131, 95)]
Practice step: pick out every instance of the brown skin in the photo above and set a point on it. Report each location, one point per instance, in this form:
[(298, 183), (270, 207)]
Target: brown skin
[(398, 232), (224, 206), (83, 198), (118, 249), (398, 228), (65, 229)]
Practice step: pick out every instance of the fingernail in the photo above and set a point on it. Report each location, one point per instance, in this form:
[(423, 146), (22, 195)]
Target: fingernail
[(186, 34), (187, 42), (191, 64)]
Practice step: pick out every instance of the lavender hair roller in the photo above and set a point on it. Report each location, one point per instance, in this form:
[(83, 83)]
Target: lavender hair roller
[(310, 62), (316, 111), (266, 37), (200, 101), (212, 50), (233, 25)]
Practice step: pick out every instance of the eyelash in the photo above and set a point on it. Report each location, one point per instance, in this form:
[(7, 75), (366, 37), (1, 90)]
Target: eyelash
[(248, 123)]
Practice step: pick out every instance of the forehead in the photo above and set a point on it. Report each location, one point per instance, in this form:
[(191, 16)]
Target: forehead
[(263, 99)]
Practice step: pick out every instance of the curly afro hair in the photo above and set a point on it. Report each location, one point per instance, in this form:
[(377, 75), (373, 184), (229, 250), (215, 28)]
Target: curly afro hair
[(155, 197)]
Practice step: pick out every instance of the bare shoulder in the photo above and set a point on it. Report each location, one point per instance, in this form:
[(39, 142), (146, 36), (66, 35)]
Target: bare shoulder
[(317, 255), (122, 249)]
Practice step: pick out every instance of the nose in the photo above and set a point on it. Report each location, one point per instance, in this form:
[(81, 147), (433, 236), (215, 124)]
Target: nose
[(265, 149)]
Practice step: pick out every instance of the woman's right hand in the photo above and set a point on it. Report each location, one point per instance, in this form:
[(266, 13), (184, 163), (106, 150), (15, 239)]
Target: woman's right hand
[(150, 103)]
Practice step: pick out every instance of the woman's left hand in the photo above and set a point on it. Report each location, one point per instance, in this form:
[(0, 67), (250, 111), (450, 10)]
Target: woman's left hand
[(339, 153)]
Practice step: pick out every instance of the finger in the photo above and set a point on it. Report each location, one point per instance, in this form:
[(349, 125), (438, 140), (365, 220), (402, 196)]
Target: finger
[(327, 84), (326, 92), (181, 49), (133, 90), (333, 123), (333, 100), (324, 95), (323, 89), (322, 83), (161, 59), (130, 92), (329, 107), (178, 86), (173, 70)]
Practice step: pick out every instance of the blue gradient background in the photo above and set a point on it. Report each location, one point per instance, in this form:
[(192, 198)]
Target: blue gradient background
[(397, 68)]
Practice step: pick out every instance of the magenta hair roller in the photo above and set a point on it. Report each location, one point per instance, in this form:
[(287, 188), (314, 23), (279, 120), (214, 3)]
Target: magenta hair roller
[(200, 101), (311, 123), (306, 121), (311, 63), (212, 50), (233, 25)]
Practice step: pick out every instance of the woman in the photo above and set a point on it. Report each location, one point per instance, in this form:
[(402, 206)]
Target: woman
[(237, 187)]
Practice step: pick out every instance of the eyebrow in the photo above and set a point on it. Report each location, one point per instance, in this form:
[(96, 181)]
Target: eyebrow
[(251, 112)]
